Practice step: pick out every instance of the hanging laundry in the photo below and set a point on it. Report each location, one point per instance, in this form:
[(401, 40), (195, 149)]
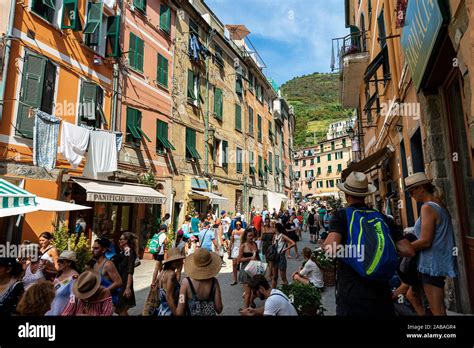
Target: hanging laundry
[(119, 139), (194, 47), (74, 142), (101, 154), (45, 140)]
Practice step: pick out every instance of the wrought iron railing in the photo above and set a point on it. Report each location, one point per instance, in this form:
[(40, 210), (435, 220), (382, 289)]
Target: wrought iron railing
[(343, 46)]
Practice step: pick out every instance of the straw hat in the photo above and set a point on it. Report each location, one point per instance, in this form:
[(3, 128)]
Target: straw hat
[(357, 185), (68, 255), (415, 180), (174, 254), (202, 264), (86, 285)]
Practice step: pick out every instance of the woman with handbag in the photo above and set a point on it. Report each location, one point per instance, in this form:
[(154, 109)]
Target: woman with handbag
[(49, 256), (248, 252)]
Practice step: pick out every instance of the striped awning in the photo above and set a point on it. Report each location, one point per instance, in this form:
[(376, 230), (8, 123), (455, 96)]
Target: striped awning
[(12, 196)]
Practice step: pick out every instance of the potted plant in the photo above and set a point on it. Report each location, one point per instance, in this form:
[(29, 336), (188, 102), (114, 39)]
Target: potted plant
[(63, 240), (327, 266), (306, 298)]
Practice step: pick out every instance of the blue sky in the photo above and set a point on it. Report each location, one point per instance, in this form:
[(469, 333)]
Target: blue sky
[(292, 36)]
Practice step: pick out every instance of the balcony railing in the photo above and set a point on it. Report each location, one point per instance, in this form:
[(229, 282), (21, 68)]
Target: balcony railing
[(343, 46)]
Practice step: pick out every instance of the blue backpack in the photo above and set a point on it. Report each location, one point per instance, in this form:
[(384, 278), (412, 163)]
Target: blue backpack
[(373, 252)]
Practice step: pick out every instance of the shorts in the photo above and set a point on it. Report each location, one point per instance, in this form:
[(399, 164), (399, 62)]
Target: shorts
[(159, 257), (280, 262), (313, 230), (432, 280)]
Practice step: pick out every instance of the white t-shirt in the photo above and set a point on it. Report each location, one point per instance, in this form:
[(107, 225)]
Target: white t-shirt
[(278, 304), (313, 273), (226, 224)]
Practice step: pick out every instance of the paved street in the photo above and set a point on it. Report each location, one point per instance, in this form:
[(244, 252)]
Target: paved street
[(231, 295)]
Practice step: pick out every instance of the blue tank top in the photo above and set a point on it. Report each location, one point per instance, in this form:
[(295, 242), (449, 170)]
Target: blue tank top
[(439, 259)]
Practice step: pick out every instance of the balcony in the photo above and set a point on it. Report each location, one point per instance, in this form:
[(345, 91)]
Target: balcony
[(351, 58)]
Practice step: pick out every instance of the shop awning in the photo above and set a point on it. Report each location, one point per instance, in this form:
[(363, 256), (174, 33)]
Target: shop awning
[(14, 197), (47, 204), (367, 163), (212, 196), (118, 192)]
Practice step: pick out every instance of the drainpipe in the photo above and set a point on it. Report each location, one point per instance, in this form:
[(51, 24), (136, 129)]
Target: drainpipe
[(206, 121), (115, 100), (7, 55)]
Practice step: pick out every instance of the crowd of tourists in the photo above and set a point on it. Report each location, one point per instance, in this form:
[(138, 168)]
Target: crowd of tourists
[(410, 267)]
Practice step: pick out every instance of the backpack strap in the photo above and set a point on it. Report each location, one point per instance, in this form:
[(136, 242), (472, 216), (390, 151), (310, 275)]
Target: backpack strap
[(286, 298)]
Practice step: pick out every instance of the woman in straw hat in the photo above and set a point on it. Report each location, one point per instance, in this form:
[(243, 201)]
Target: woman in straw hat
[(200, 293), (435, 244), (89, 297), (168, 284), (67, 274)]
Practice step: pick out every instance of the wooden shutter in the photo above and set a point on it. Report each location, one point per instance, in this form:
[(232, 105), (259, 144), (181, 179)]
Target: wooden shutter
[(94, 19), (251, 130), (259, 127), (225, 146), (162, 77), (88, 101), (70, 19), (140, 53), (191, 94), (218, 103), (165, 18), (31, 93), (47, 97), (238, 117), (113, 36), (131, 50)]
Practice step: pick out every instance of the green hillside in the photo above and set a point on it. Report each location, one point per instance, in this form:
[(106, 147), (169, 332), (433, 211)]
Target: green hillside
[(315, 98)]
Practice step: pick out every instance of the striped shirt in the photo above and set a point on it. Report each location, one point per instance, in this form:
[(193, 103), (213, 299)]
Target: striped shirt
[(102, 307)]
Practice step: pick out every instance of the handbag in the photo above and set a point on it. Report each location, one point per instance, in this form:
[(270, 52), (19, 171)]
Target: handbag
[(255, 267), (152, 302)]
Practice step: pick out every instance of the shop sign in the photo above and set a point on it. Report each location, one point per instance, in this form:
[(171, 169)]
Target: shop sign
[(116, 198), (423, 22)]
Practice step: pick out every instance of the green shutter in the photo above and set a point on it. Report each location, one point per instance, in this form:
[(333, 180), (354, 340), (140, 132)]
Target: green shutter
[(162, 136), (70, 18), (113, 36), (31, 93), (329, 157), (238, 117), (140, 52), (162, 73), (270, 161), (131, 50), (251, 130), (165, 18), (94, 19), (140, 4), (239, 160), (259, 127), (191, 151), (132, 134), (218, 103), (238, 85), (88, 102), (191, 94)]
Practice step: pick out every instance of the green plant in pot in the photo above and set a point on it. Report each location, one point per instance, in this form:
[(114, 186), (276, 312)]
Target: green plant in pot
[(306, 298), (326, 264), (63, 240)]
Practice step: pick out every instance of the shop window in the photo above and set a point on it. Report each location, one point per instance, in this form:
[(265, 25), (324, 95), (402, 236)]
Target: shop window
[(37, 92), (91, 106)]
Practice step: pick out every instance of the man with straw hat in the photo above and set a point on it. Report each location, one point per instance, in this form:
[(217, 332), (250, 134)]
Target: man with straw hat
[(200, 293), (363, 287), (90, 298)]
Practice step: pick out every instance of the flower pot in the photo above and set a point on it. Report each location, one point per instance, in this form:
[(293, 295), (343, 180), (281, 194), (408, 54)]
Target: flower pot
[(329, 276)]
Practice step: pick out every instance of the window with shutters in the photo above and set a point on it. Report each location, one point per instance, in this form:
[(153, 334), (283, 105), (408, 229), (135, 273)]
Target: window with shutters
[(113, 36), (304, 163), (239, 85), (239, 159), (319, 159), (251, 122), (312, 161), (319, 171), (191, 150), (218, 56), (136, 52), (310, 184), (343, 142), (165, 18), (225, 154), (333, 146), (270, 130), (45, 9), (253, 171), (259, 128), (162, 71), (329, 169), (193, 27), (37, 92), (238, 117), (134, 132), (277, 164), (339, 168), (194, 93), (91, 105), (70, 17), (162, 142), (329, 157), (218, 103), (251, 82), (217, 152), (140, 5), (93, 27), (260, 167)]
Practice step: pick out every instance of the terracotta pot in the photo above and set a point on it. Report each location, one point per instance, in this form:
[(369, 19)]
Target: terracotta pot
[(329, 276)]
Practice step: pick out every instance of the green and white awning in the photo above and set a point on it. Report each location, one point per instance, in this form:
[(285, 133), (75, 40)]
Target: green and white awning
[(14, 197)]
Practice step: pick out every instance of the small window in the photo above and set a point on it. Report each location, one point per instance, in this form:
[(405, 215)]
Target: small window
[(191, 150), (45, 9), (162, 142), (194, 93), (91, 105), (239, 160), (259, 128), (165, 18), (113, 36), (218, 103), (218, 56), (193, 27), (134, 132), (140, 5), (238, 117), (93, 27), (251, 125), (70, 18)]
